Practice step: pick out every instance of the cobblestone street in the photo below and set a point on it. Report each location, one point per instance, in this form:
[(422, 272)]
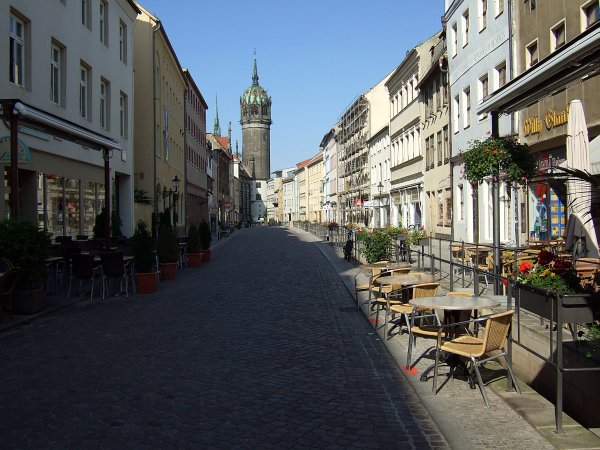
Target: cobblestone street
[(260, 348)]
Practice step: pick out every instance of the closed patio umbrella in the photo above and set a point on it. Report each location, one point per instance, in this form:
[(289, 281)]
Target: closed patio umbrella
[(579, 192)]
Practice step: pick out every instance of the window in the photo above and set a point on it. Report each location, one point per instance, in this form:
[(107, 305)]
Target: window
[(591, 14), (257, 184), (465, 28), (258, 197), (446, 145), (483, 92), (56, 78), (439, 148), (454, 36), (500, 73), (104, 104), (557, 36), (467, 106), (438, 94), (103, 25), (483, 5), (85, 13), (532, 5), (531, 54), (17, 51), (456, 114), (123, 42), (84, 91), (499, 7), (428, 158)]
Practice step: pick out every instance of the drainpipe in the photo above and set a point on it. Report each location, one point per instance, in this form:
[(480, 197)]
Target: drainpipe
[(154, 99)]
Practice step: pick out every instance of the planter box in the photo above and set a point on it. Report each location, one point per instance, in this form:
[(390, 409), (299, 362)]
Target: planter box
[(28, 301), (146, 282), (194, 259), (576, 308), (168, 270)]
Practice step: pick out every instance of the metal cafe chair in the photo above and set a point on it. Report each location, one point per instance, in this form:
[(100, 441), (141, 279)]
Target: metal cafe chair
[(114, 267), (83, 269)]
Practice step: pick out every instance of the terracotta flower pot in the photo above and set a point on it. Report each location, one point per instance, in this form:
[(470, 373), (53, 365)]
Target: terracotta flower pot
[(206, 255), (168, 270), (194, 259), (146, 282)]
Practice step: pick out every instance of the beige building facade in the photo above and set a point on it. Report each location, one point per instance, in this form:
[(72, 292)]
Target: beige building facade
[(159, 123), (314, 170)]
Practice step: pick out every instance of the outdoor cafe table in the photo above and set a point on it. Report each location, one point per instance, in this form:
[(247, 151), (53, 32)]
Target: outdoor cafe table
[(385, 266), (406, 279), (454, 305)]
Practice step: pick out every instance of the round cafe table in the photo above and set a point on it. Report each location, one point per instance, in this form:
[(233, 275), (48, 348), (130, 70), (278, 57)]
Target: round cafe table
[(454, 305), (386, 266), (406, 279)]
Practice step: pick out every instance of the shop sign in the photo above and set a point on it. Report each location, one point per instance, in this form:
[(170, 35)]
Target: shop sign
[(23, 154), (552, 119)]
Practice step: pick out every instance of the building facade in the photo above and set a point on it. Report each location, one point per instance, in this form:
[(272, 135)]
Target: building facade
[(160, 156), (435, 140), (314, 173), (69, 77), (196, 168)]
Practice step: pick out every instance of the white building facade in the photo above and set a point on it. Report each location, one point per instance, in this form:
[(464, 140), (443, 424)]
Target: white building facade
[(71, 72)]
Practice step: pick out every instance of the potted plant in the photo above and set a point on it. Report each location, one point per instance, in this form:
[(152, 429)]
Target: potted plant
[(194, 247), (168, 251), (552, 282), (205, 239), (501, 158), (142, 246), (375, 245), (26, 246)]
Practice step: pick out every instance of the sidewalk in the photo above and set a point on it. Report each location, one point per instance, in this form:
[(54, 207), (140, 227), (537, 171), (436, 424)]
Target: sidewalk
[(456, 404)]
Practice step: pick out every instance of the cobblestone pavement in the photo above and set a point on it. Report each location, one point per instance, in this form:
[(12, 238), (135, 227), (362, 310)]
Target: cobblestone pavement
[(261, 348)]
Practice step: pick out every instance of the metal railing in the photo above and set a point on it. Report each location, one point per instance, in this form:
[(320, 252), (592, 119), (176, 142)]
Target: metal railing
[(449, 260)]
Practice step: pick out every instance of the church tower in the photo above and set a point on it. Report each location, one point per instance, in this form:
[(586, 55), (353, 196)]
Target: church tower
[(255, 113)]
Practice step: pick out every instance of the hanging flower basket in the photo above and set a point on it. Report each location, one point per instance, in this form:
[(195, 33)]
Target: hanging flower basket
[(500, 158)]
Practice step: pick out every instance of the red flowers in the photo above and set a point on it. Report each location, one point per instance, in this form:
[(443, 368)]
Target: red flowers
[(545, 257), (525, 267), (505, 282), (495, 152)]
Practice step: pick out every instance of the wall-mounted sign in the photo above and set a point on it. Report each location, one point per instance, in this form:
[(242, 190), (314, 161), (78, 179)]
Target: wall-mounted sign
[(552, 119), (23, 154)]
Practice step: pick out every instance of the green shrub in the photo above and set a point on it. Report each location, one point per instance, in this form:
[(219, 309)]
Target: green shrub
[(142, 246), (193, 240), (376, 245), (205, 235), (168, 248)]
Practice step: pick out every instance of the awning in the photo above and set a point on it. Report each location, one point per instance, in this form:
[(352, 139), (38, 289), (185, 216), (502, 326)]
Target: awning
[(35, 116), (576, 60)]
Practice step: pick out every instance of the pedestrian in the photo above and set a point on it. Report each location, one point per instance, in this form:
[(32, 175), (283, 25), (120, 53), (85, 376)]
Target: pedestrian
[(348, 246)]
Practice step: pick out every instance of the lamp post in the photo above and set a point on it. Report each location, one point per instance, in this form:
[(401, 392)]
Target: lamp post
[(172, 194)]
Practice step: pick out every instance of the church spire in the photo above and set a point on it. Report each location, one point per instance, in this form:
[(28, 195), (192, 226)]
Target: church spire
[(217, 127), (255, 72)]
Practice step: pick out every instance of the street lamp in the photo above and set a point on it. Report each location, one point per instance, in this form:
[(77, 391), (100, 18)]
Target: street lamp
[(175, 182)]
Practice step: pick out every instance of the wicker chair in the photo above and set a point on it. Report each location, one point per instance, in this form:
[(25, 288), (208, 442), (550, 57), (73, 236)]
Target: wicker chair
[(426, 324), (406, 310), (497, 327), (365, 287)]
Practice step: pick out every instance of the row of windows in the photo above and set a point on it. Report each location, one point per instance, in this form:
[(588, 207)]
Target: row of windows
[(443, 149), (406, 147), (462, 102), (196, 160), (482, 21), (590, 14), (197, 132), (58, 78), (436, 95), (404, 96), (103, 25)]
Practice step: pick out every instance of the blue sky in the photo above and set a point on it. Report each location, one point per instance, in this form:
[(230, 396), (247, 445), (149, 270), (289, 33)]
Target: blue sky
[(314, 57)]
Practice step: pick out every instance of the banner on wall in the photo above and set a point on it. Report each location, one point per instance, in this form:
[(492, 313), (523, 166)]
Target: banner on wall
[(23, 153)]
